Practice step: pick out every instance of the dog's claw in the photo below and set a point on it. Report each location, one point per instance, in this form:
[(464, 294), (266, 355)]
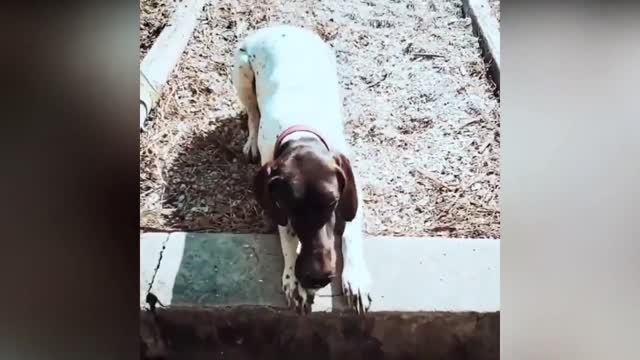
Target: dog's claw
[(357, 295), (250, 150), (355, 302), (305, 307), (297, 297)]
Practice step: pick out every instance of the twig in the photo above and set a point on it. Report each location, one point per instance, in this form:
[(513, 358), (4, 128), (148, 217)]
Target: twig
[(407, 48), (434, 179), (463, 189), (475, 121), (148, 192), (384, 77), (476, 204), (453, 203), (485, 147), (426, 55), (442, 228)]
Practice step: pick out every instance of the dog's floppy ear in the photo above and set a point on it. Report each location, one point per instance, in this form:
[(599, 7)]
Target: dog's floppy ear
[(263, 184), (348, 204)]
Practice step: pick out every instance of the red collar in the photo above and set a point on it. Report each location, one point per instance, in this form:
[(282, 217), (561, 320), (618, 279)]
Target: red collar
[(292, 129)]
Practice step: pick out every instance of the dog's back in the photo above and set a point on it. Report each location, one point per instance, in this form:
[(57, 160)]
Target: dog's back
[(295, 82)]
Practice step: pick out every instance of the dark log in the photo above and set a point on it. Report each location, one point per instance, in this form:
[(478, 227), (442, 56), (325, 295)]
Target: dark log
[(258, 332)]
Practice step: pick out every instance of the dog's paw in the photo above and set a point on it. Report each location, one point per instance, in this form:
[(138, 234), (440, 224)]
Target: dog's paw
[(297, 297), (250, 150), (356, 287)]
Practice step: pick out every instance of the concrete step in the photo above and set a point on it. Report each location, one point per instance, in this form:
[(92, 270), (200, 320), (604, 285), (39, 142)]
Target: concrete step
[(409, 274)]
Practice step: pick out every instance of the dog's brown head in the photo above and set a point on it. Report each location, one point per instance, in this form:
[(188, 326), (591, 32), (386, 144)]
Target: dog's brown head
[(313, 189)]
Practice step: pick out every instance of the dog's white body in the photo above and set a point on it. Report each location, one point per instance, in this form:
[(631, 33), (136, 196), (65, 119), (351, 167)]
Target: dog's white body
[(296, 83)]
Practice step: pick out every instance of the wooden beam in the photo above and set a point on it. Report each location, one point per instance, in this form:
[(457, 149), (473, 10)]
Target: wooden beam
[(266, 333), (485, 26), (162, 58)]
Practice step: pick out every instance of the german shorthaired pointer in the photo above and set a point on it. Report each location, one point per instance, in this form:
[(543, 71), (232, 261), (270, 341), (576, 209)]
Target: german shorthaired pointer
[(286, 78)]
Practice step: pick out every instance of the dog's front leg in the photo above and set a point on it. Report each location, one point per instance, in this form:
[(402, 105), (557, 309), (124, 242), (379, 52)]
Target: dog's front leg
[(356, 281), (297, 297)]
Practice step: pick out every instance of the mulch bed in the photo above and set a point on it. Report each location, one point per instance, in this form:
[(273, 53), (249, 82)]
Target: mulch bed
[(420, 114), (154, 16)]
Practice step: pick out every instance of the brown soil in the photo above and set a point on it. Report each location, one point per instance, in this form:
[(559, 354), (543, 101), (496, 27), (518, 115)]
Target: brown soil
[(421, 117), (154, 16), (250, 332)]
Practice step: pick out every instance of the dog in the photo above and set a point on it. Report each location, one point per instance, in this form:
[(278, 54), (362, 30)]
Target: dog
[(286, 78)]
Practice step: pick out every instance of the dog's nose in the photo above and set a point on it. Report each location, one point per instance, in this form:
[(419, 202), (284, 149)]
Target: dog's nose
[(316, 269), (317, 281)]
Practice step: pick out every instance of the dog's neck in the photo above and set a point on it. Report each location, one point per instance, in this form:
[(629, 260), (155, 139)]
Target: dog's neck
[(297, 134)]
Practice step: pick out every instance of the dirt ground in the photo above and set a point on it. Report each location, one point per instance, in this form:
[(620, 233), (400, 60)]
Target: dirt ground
[(253, 332), (154, 16), (420, 115)]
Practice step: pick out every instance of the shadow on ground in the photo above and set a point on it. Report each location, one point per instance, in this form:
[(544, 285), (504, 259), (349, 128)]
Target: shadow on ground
[(209, 183)]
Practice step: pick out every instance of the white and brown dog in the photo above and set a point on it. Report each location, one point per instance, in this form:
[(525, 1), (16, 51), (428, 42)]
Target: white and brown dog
[(286, 78)]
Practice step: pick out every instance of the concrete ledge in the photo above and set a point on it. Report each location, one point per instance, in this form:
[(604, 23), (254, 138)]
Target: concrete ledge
[(163, 56), (486, 27), (251, 332), (409, 274), (151, 249)]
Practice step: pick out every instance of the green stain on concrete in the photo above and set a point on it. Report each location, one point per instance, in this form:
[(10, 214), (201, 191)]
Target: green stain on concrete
[(219, 269)]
